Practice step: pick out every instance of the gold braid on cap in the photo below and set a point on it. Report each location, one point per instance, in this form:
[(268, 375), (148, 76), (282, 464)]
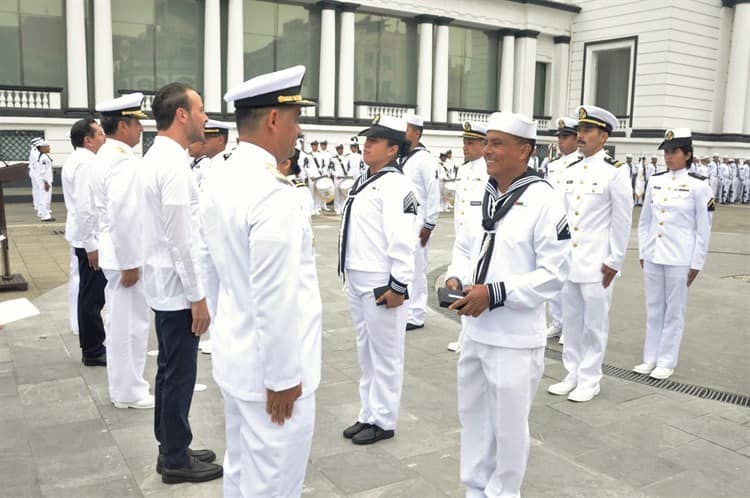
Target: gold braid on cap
[(283, 99)]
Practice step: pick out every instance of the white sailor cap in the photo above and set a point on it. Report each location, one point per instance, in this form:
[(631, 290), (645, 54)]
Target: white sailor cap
[(126, 106), (42, 143), (271, 89), (676, 137), (414, 120), (213, 127), (513, 124), (353, 141), (389, 127), (592, 115), (474, 130), (324, 142), (654, 156), (314, 142), (629, 155), (339, 145), (566, 126)]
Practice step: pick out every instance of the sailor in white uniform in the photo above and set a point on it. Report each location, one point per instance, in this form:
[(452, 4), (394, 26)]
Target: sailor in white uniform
[(673, 235), (33, 159), (266, 341), (713, 176), (599, 205), (119, 211), (354, 158), (376, 258), (508, 262), (341, 171), (421, 168), (567, 137), (471, 181), (212, 153), (44, 180)]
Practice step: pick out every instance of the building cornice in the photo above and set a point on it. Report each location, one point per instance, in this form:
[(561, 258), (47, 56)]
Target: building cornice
[(732, 3), (561, 39), (567, 7), (527, 33)]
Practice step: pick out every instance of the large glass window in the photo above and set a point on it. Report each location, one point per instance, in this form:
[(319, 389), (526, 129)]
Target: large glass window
[(32, 37), (278, 35), (385, 69), (472, 69), (613, 80), (156, 42), (540, 89)]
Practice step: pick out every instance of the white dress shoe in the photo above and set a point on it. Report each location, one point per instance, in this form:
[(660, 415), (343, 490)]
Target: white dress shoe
[(554, 330), (661, 373), (562, 339), (644, 368), (582, 394), (561, 388), (453, 346), (205, 346), (143, 404)]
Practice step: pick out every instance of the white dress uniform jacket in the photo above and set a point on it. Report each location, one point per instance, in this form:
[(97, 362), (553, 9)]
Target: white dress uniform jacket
[(599, 208), (44, 174), (470, 181), (170, 231), (258, 243), (556, 170), (81, 226)]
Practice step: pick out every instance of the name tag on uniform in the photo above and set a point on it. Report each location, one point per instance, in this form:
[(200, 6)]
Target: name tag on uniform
[(475, 203)]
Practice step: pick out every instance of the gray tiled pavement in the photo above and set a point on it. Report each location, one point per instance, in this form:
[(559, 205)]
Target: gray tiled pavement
[(60, 436)]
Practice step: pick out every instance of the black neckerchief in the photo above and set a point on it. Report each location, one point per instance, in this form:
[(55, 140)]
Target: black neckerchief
[(197, 160), (362, 181), (494, 208), (405, 158)]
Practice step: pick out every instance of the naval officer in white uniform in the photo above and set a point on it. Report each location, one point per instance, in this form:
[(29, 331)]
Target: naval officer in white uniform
[(673, 235), (421, 168), (118, 207), (266, 337), (567, 138), (508, 262), (376, 257), (599, 205)]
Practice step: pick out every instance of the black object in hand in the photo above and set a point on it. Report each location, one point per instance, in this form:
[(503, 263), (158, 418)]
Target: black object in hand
[(447, 296), (379, 291)]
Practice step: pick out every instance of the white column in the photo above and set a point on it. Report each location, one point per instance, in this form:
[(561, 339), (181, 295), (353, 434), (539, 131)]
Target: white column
[(746, 128), (212, 57), (327, 69), (103, 63), (75, 27), (739, 64), (424, 69), (523, 88), (507, 71), (560, 63), (722, 67), (235, 47), (440, 74), (346, 62)]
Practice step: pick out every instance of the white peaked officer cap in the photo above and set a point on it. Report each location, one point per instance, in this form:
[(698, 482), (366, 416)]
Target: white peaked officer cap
[(271, 89), (596, 116), (474, 130), (414, 120), (213, 127), (388, 127), (514, 124), (127, 106), (676, 137), (566, 126)]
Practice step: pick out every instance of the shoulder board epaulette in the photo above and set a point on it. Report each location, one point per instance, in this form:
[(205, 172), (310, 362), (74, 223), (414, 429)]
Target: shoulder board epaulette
[(696, 175), (613, 162), (227, 155), (465, 162), (298, 183), (576, 161), (660, 173)]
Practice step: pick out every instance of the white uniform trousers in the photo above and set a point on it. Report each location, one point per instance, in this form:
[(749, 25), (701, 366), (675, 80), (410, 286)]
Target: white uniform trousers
[(495, 389), (555, 307), (127, 327), (263, 459), (73, 283), (380, 349), (735, 185), (317, 203), (726, 185), (715, 184), (45, 202), (339, 198), (586, 319), (35, 193), (417, 302), (666, 303)]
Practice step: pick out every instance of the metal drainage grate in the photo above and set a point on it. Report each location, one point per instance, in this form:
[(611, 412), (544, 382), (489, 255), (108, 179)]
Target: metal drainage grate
[(58, 232), (620, 373)]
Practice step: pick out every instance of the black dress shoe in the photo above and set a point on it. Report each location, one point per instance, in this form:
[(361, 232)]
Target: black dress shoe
[(202, 455), (355, 429), (196, 471), (413, 326), (47, 220), (95, 361), (372, 434)]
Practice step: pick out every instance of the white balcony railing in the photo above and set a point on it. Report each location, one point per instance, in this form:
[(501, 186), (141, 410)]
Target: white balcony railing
[(623, 123), (458, 116), (369, 111), (31, 98), (543, 123)]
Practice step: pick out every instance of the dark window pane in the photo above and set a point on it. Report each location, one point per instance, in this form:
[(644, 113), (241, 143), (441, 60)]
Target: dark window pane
[(540, 88), (133, 49), (472, 69), (613, 80), (43, 49), (10, 55)]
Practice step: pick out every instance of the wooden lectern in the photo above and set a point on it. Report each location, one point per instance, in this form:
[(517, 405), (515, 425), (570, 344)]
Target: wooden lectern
[(9, 173)]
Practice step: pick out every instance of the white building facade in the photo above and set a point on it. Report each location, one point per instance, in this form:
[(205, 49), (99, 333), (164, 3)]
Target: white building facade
[(656, 64)]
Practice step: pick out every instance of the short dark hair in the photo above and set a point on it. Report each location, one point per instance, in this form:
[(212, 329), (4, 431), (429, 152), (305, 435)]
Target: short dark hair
[(248, 118), (109, 123), (167, 100), (80, 130), (532, 144), (687, 149)]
